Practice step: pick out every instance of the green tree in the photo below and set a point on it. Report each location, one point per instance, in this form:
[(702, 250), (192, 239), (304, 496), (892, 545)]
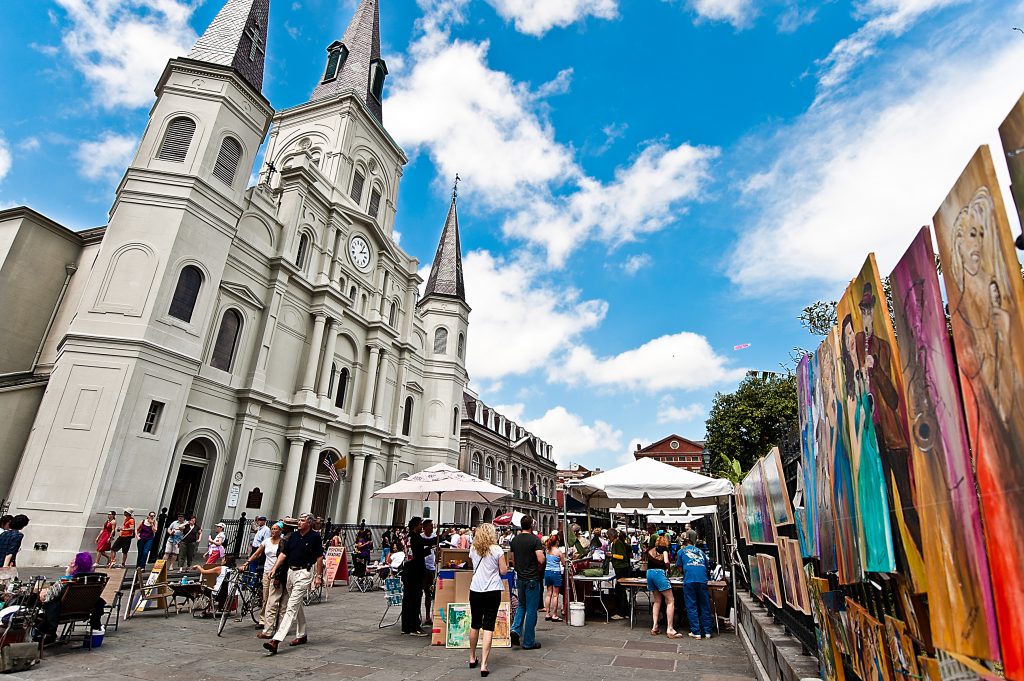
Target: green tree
[(745, 424)]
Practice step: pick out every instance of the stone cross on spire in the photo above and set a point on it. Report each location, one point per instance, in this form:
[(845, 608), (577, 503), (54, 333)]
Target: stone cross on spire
[(236, 38), (354, 63), (446, 271)]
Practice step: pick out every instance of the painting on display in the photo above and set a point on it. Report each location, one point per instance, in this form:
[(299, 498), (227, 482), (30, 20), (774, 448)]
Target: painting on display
[(754, 565), (984, 292), (962, 611), (793, 579), (771, 587), (837, 515), (829, 656), (502, 637), (901, 651), (741, 513), (862, 411), (458, 625), (806, 375), (779, 504), (868, 651), (759, 521)]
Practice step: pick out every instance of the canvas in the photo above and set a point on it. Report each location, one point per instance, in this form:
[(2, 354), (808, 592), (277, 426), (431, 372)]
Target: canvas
[(756, 501), (502, 637), (458, 621), (962, 611), (741, 514), (771, 587), (806, 373), (779, 504), (799, 599), (985, 292), (754, 565), (829, 658), (869, 653), (861, 370), (837, 517), (901, 651)]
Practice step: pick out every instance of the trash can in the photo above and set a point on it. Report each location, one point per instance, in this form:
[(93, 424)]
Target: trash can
[(577, 614)]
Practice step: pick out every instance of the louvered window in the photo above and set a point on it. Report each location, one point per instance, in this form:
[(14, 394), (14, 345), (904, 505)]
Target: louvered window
[(374, 203), (177, 139), (300, 257), (227, 338), (378, 71), (339, 398), (357, 187), (227, 160), (336, 55), (407, 417), (462, 345), (185, 293), (441, 341)]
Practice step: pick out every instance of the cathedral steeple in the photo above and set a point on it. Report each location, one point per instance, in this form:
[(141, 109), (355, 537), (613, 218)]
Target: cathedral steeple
[(446, 271), (237, 38), (354, 63)]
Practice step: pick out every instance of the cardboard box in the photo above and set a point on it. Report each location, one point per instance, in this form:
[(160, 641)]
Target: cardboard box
[(452, 586)]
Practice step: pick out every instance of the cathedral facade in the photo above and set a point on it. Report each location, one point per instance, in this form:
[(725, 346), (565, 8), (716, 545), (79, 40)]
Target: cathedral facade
[(218, 348)]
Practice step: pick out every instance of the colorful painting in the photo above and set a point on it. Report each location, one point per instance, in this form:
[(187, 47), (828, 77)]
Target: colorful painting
[(866, 360), (793, 580), (458, 621), (901, 651), (868, 655), (779, 504), (759, 521), (962, 611), (754, 565), (771, 588), (929, 668), (829, 656), (741, 514), (837, 515), (806, 376), (985, 291)]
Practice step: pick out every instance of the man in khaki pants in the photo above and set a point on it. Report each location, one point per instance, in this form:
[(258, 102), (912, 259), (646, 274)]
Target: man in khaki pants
[(300, 561)]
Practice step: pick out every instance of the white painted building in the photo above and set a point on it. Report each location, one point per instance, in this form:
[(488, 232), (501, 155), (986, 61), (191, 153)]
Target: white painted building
[(210, 347)]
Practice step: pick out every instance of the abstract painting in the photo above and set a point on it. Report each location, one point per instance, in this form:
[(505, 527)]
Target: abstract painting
[(830, 659), (771, 588), (806, 376), (866, 359), (779, 502), (759, 522), (901, 651), (502, 637), (962, 611), (869, 654), (754, 564), (985, 292), (741, 514), (800, 599), (458, 625)]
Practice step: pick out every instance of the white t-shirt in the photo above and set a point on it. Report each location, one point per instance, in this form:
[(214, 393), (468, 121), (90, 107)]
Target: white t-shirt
[(430, 559), (270, 550), (224, 572), (486, 573), (396, 559)]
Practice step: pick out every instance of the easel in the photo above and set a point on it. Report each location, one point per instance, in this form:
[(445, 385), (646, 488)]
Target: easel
[(154, 594), (335, 565)]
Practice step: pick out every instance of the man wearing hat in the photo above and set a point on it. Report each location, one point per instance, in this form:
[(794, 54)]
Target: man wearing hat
[(125, 536), (261, 533), (171, 546), (300, 561)]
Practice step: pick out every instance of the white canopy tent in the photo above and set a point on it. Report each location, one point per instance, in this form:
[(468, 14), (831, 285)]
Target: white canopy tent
[(443, 483), (648, 482), (650, 510)]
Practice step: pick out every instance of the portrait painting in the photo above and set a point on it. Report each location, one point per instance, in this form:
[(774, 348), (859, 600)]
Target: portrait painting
[(984, 293), (779, 503), (962, 611), (806, 372)]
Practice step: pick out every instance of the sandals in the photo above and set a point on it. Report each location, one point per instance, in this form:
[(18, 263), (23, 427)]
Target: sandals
[(674, 634), (557, 619), (655, 631)]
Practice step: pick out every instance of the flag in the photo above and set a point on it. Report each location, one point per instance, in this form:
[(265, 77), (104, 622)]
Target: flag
[(331, 470)]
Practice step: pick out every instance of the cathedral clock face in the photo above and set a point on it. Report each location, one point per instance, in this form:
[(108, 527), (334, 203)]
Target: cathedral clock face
[(359, 252)]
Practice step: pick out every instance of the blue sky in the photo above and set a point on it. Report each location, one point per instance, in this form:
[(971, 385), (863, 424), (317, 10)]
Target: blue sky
[(647, 183)]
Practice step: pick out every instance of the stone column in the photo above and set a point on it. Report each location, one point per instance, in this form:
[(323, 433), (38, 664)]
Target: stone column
[(312, 463), (355, 489), (309, 376), (325, 370), (286, 502), (371, 478), (371, 380), (336, 260), (382, 379)]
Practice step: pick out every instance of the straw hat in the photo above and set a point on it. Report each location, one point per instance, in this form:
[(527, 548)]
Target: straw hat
[(129, 511)]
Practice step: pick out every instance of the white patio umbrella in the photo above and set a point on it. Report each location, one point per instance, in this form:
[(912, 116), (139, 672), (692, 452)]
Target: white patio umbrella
[(648, 482), (444, 483)]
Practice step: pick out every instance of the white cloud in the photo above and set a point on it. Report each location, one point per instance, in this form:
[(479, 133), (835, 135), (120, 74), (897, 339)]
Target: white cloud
[(5, 158), (681, 361), (635, 263), (513, 412), (629, 455), (121, 46), (668, 412), (571, 437), (558, 85), (884, 19), (739, 13), (29, 144), (516, 311), (537, 17), (107, 157), (863, 173)]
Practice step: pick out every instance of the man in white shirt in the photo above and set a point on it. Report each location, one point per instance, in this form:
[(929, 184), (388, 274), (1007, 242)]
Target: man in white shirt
[(430, 562), (262, 533), (171, 546)]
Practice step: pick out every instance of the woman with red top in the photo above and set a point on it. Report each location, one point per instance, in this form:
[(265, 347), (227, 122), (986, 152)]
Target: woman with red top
[(104, 540)]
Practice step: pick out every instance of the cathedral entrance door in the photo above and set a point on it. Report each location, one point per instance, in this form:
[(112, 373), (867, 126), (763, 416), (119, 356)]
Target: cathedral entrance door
[(186, 489), (398, 515), (321, 496)]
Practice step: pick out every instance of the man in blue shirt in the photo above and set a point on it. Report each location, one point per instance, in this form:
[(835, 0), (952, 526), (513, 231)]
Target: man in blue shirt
[(694, 563)]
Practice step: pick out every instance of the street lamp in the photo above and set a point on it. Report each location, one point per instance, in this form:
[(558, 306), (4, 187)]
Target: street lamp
[(706, 456)]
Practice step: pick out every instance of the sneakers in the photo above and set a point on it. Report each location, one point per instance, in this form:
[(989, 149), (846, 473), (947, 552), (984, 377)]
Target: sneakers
[(693, 635), (418, 633), (515, 638), (707, 635)]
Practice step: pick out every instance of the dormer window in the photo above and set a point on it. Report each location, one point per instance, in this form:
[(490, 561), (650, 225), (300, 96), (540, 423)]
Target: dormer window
[(378, 72), (336, 54)]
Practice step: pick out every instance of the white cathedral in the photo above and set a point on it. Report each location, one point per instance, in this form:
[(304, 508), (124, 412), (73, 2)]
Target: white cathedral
[(215, 348)]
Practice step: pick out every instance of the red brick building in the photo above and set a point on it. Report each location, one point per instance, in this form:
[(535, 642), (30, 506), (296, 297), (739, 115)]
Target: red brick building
[(674, 450)]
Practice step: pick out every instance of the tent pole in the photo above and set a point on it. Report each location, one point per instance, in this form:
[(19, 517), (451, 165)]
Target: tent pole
[(732, 570)]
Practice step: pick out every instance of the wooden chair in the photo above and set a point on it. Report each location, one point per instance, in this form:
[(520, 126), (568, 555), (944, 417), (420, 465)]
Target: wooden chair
[(77, 603)]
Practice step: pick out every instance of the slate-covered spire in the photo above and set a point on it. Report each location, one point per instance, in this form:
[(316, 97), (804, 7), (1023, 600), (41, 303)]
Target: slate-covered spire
[(354, 62), (237, 38), (446, 272)]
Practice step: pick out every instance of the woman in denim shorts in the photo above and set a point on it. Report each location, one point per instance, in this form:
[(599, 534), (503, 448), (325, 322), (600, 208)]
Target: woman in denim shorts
[(553, 556), (660, 588)]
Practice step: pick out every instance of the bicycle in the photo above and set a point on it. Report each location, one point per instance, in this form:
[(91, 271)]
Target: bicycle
[(247, 595)]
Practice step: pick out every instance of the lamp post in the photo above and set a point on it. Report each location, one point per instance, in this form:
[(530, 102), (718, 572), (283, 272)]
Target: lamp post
[(705, 455)]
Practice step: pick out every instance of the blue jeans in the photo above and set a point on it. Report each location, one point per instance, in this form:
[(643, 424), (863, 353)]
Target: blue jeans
[(698, 607), (144, 548), (525, 621)]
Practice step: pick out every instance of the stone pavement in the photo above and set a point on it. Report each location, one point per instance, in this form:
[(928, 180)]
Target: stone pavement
[(345, 643)]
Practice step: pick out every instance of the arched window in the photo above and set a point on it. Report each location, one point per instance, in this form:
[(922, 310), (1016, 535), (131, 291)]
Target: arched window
[(358, 180), (336, 55), (177, 139), (186, 292), (477, 462), (441, 341), (339, 398), (315, 157), (374, 206), (227, 339), (407, 418), (352, 293), (455, 421), (330, 383), (303, 253), (462, 345), (489, 469), (227, 160), (500, 480)]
